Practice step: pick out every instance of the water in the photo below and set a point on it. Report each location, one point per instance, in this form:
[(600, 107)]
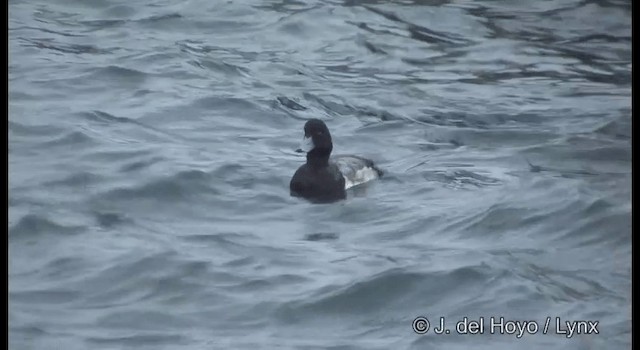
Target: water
[(151, 145)]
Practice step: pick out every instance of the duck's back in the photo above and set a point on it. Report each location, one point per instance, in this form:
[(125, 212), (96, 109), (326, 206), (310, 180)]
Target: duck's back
[(356, 170)]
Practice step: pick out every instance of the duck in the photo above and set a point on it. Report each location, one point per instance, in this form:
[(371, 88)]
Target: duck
[(324, 178)]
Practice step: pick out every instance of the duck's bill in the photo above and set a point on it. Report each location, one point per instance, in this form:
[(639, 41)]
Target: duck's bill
[(306, 145)]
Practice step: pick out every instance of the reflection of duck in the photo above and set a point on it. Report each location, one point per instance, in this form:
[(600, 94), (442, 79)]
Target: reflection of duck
[(323, 179)]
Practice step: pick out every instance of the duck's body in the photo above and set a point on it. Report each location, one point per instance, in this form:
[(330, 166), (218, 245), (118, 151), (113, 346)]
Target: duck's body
[(324, 184)]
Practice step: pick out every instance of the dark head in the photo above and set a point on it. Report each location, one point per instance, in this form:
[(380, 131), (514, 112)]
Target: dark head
[(317, 142)]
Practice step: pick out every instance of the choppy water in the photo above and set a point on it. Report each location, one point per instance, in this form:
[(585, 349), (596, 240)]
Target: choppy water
[(151, 144)]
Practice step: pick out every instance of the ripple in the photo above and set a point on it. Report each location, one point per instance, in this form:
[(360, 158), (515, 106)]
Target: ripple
[(73, 180), (19, 129), (178, 186), (395, 287), (69, 139), (32, 225), (153, 338), (50, 44), (46, 297)]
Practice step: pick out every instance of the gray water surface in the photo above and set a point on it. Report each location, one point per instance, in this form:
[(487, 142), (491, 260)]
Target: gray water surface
[(151, 144)]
